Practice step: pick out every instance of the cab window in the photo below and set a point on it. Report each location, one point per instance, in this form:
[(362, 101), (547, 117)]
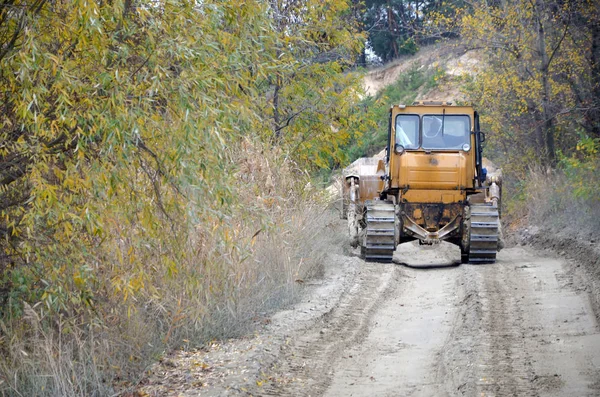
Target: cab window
[(446, 131), (407, 131)]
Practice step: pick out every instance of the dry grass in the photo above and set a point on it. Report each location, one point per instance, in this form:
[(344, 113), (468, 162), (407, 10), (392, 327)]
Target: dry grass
[(212, 284), (555, 201)]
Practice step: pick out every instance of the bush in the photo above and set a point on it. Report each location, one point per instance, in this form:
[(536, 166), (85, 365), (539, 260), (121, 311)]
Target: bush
[(230, 269), (568, 198), (152, 179)]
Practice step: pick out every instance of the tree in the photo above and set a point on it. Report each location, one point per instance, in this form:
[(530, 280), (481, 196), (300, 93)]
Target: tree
[(397, 27), (143, 143), (312, 96), (533, 56), (392, 26)]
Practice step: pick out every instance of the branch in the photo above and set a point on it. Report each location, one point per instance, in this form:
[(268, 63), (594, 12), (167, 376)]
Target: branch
[(159, 169), (140, 67), (156, 187), (557, 46), (36, 7), (289, 119), (13, 40)]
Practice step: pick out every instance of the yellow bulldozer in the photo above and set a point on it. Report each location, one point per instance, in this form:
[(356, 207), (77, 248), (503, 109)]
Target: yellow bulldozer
[(431, 186)]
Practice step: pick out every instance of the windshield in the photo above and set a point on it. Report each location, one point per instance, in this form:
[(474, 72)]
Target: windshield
[(446, 131), (407, 131)]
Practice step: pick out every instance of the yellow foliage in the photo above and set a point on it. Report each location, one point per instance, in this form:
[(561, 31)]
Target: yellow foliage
[(135, 142), (132, 117), (529, 83)]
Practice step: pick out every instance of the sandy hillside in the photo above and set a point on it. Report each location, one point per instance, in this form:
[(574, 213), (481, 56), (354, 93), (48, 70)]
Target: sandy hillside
[(454, 59)]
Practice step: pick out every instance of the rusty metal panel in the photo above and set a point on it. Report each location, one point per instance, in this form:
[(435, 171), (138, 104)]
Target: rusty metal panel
[(432, 216), (369, 171), (369, 187)]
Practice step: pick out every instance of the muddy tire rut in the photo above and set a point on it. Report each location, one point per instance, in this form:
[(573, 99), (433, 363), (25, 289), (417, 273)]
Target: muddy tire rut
[(428, 326), (306, 363), (488, 339)]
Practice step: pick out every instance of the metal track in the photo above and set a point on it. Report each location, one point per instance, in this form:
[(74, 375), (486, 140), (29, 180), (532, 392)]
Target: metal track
[(484, 236), (379, 240)]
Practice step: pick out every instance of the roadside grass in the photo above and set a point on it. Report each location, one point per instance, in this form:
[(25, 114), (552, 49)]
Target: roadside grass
[(564, 200), (228, 275), (560, 202)]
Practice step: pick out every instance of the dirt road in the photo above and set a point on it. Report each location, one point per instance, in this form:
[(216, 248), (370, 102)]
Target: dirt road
[(426, 326)]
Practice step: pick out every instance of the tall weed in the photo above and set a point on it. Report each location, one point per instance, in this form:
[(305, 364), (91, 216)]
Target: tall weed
[(568, 198), (201, 279)]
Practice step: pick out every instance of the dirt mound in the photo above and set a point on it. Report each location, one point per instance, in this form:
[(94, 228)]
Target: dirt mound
[(451, 57)]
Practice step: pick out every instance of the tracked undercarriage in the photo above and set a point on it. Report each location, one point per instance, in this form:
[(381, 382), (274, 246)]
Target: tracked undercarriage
[(380, 231), (482, 234)]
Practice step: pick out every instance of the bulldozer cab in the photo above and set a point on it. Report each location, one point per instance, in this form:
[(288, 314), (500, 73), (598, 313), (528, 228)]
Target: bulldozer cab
[(433, 147)]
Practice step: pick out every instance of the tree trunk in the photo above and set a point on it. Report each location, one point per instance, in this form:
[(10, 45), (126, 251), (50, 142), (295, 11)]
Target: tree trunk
[(276, 116), (362, 59), (594, 114), (539, 136), (392, 30), (548, 117)]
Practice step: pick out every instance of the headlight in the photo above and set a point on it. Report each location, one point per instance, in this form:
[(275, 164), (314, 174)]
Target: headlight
[(466, 147), (399, 149)]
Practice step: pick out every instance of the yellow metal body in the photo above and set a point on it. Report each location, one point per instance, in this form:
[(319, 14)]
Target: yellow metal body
[(432, 176), (436, 175)]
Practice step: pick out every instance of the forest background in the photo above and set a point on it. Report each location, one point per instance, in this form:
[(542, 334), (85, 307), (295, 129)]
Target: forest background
[(161, 161)]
